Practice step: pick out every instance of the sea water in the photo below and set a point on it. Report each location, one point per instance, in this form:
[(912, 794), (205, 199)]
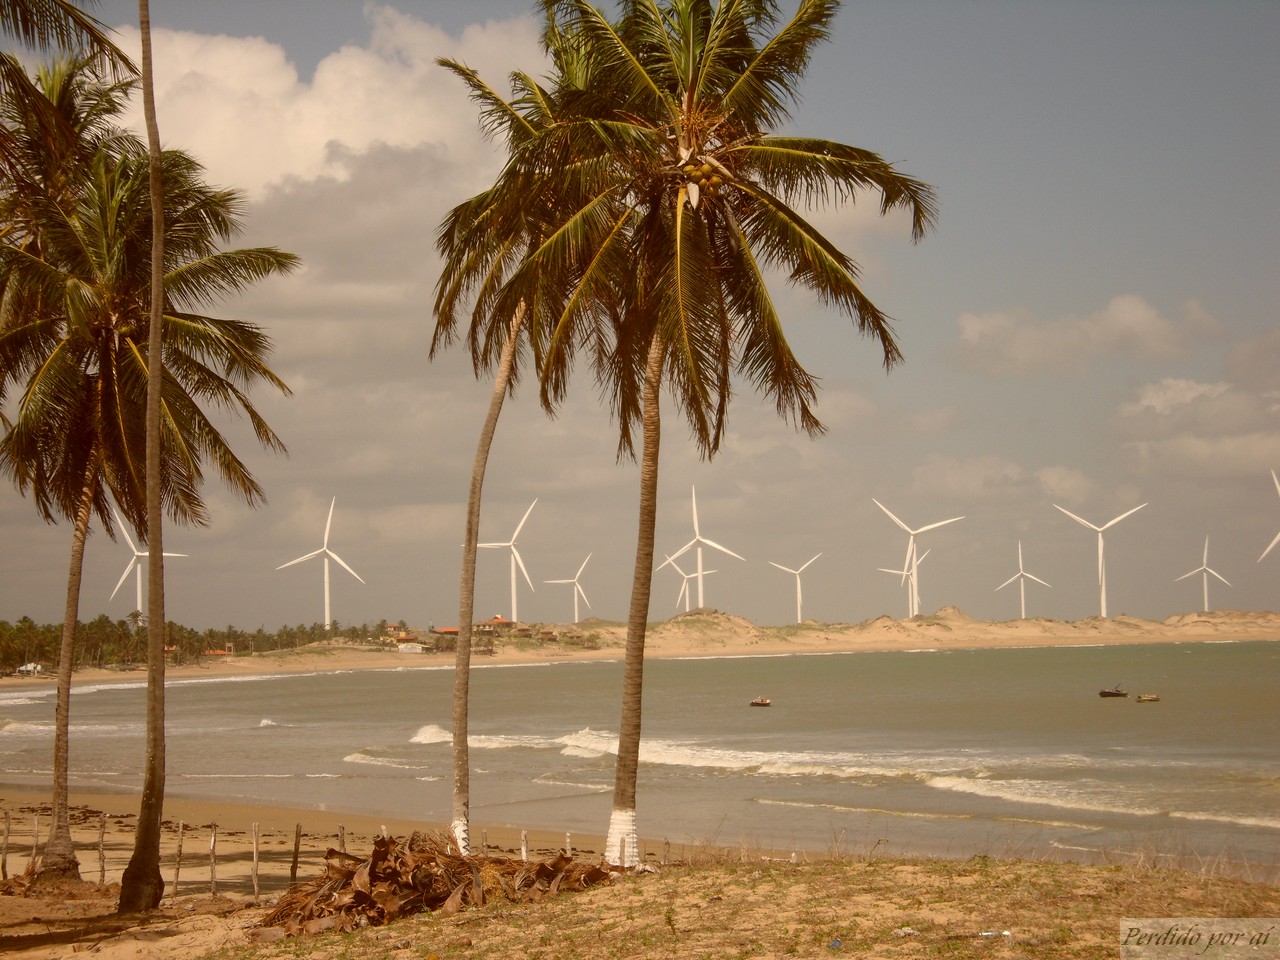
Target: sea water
[(1000, 752)]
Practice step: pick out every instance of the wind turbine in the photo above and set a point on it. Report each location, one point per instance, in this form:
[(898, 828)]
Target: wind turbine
[(1277, 539), (515, 557), (911, 563), (325, 552), (134, 563), (697, 542), (799, 619), (684, 585), (1102, 566), (905, 573), (1205, 571), (1022, 577), (577, 588)]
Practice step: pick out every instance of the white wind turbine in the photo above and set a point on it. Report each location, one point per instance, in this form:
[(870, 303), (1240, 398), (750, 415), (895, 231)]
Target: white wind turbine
[(515, 557), (1205, 571), (577, 588), (697, 542), (1277, 539), (1102, 565), (684, 593), (1022, 577), (911, 563), (325, 552), (135, 563), (906, 575), (799, 619)]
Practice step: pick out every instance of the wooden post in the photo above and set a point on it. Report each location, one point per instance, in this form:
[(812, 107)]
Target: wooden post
[(666, 851), (213, 860), (568, 843), (177, 865), (255, 863), (297, 842), (4, 850), (102, 852), (484, 842), (35, 840), (524, 845), (342, 838)]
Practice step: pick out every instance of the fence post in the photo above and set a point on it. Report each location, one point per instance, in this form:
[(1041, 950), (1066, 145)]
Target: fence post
[(213, 860), (177, 863), (524, 845), (4, 850), (255, 863), (297, 842), (342, 838), (102, 853)]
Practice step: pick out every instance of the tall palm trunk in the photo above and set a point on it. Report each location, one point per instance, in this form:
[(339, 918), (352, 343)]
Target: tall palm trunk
[(621, 844), (141, 886), (59, 861), (466, 603)]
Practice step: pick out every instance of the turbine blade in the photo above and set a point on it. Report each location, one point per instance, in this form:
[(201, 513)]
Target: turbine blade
[(1038, 580), (523, 519), (344, 566), (694, 495), (125, 530), (328, 523), (520, 563), (1009, 581), (313, 553), (941, 523), (1269, 546), (582, 593), (1075, 518), (809, 561), (1218, 575), (672, 562), (581, 568), (1123, 515), (712, 543), (890, 515), (123, 577), (173, 554), (781, 567), (1185, 575)]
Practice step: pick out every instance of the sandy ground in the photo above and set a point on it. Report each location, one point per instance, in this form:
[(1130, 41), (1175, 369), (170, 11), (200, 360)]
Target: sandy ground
[(211, 901)]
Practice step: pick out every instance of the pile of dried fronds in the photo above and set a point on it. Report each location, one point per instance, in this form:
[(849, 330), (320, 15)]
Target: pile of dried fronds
[(423, 874)]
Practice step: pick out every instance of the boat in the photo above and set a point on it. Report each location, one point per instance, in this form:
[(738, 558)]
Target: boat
[(1148, 698), (760, 702), (1113, 692)]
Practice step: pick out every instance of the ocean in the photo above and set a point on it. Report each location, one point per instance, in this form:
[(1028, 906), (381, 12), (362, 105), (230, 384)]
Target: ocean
[(999, 752)]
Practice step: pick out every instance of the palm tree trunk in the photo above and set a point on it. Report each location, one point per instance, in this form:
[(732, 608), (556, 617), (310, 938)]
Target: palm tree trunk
[(141, 886), (461, 824), (59, 861), (621, 844)]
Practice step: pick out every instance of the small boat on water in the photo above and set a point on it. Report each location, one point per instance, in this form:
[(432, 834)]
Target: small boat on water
[(1113, 692), (760, 702), (1148, 697)]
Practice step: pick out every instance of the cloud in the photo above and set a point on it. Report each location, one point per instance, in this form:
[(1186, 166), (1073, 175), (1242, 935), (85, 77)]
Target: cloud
[(238, 104), (1019, 343), (1170, 394), (1065, 483), (966, 478)]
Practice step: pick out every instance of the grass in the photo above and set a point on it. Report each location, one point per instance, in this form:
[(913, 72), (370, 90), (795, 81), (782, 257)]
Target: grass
[(726, 907)]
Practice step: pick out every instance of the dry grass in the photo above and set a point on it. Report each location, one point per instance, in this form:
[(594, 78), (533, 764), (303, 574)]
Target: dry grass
[(885, 908)]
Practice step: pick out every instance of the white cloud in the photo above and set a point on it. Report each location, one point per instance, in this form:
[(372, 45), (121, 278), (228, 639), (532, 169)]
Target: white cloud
[(966, 478), (1065, 483), (1170, 394), (1019, 343)]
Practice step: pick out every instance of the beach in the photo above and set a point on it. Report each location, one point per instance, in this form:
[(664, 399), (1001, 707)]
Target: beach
[(701, 636)]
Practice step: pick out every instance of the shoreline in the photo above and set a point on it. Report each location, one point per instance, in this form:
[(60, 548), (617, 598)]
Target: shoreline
[(709, 633)]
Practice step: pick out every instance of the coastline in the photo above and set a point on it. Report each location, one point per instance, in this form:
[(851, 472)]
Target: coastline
[(710, 633)]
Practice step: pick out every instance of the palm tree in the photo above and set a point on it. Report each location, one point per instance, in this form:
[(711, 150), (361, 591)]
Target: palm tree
[(74, 273), (478, 259), (673, 200)]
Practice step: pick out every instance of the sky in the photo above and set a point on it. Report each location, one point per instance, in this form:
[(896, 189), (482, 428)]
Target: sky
[(1091, 325)]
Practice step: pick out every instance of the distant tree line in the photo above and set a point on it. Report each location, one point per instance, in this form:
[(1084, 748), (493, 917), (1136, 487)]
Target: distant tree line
[(103, 642)]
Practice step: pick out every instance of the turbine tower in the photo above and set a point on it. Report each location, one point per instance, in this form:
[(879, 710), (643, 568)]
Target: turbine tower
[(1102, 565), (515, 558), (1022, 577), (1204, 570), (135, 563), (1277, 539), (684, 593), (577, 588), (799, 619), (911, 563), (697, 542), (906, 574), (328, 554)]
